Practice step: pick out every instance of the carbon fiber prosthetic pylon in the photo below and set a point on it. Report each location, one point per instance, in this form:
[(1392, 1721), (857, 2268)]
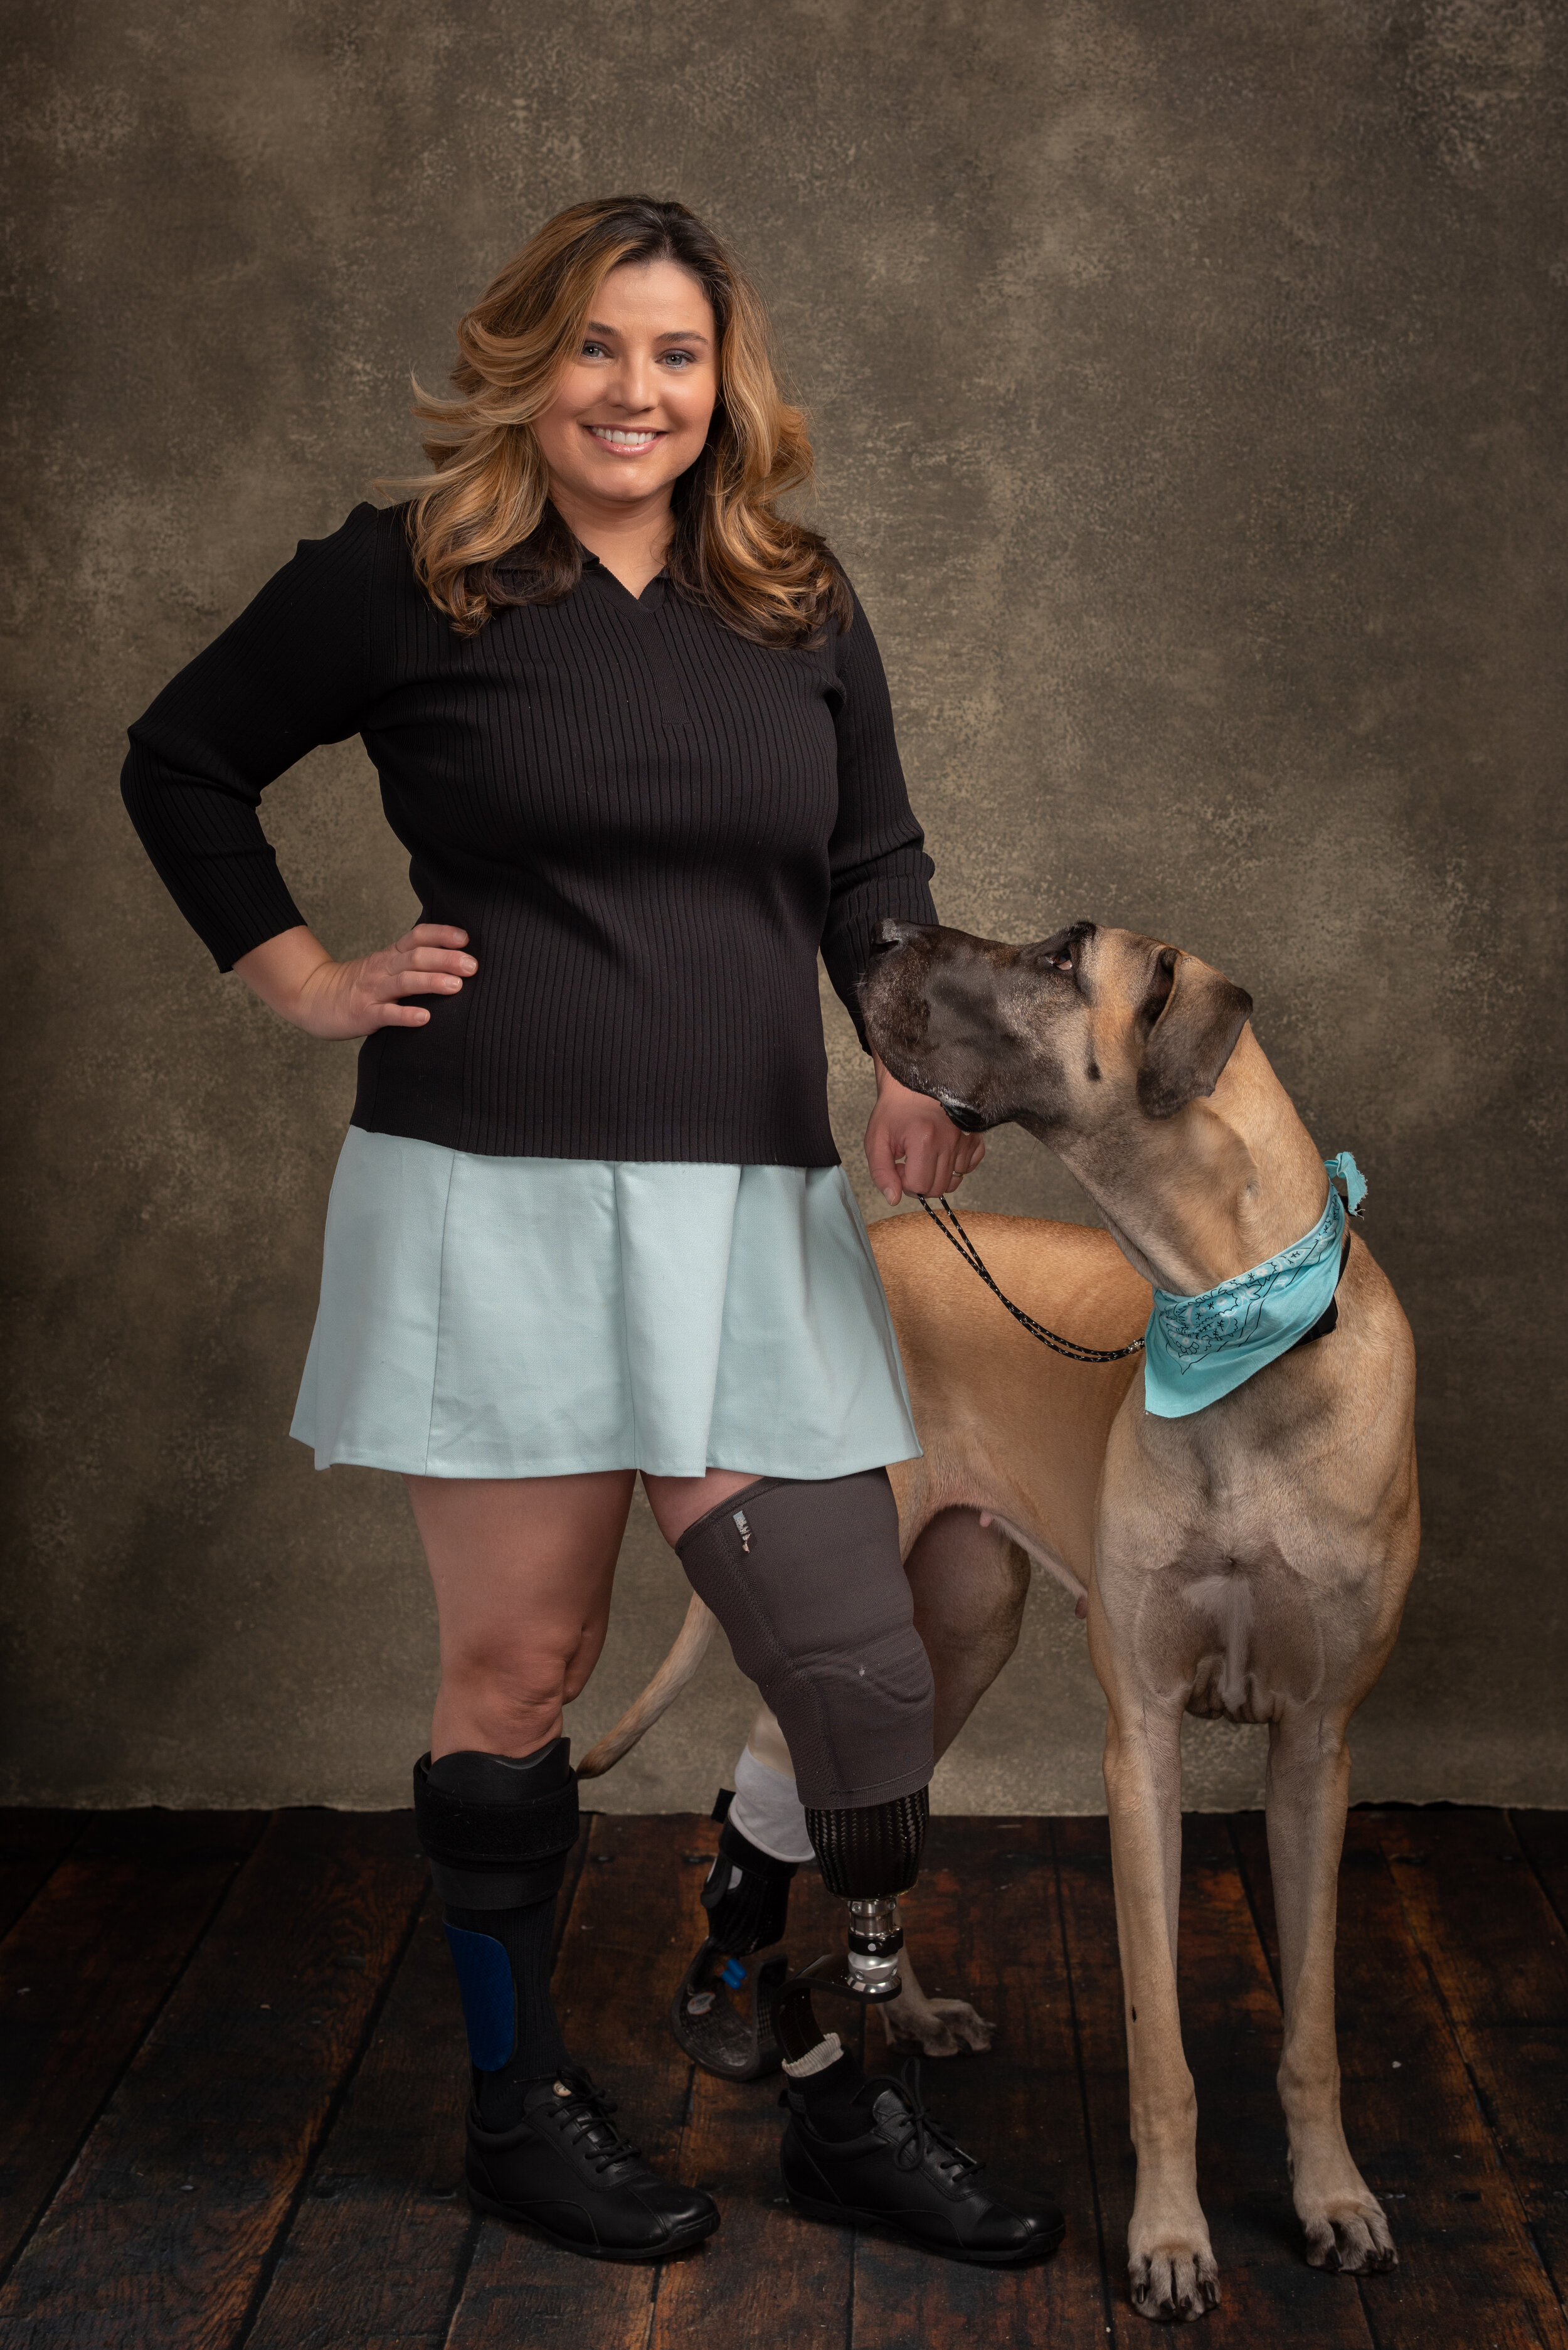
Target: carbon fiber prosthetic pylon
[(875, 1851)]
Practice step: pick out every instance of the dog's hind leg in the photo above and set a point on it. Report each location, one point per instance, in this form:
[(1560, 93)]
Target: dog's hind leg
[(969, 1583), (1308, 1788), (1170, 2261)]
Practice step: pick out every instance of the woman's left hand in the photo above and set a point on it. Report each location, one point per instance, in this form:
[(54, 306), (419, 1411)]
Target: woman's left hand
[(912, 1145)]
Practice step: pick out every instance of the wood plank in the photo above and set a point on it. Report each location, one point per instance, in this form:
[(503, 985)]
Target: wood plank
[(626, 1944), (769, 2278), (379, 2242), (1499, 1954), (1416, 2129), (1231, 2026), (31, 1844), (1543, 1836), (161, 2230), (84, 1972), (985, 1922)]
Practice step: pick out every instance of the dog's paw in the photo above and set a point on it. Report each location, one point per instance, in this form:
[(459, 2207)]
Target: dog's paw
[(1174, 2282), (938, 2027), (1353, 2239)]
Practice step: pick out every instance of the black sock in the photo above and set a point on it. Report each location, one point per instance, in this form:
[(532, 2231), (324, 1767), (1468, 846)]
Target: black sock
[(829, 2097), (526, 1936)]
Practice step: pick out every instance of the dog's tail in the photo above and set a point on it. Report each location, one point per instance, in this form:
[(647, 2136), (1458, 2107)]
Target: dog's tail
[(662, 1690)]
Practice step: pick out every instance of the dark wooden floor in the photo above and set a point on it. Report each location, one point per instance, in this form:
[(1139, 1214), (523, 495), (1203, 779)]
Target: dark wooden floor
[(233, 2071)]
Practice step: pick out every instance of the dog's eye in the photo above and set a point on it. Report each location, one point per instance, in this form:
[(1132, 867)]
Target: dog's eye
[(1054, 951)]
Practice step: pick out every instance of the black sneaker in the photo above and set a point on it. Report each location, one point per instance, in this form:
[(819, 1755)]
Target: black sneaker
[(566, 2170), (906, 2175)]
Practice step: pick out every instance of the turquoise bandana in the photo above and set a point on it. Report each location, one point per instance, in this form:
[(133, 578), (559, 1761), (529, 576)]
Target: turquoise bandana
[(1200, 1349)]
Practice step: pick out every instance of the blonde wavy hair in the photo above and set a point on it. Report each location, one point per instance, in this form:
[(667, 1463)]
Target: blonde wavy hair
[(483, 530)]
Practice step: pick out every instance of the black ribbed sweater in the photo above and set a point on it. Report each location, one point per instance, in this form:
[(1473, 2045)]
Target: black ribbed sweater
[(647, 826)]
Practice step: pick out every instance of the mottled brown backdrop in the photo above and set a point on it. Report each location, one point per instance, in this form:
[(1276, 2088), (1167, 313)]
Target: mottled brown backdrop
[(1188, 386)]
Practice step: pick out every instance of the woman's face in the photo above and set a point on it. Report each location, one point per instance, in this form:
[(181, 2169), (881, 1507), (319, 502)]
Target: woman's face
[(633, 408)]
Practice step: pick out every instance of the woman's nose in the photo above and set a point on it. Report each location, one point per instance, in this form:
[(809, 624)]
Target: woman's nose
[(633, 392)]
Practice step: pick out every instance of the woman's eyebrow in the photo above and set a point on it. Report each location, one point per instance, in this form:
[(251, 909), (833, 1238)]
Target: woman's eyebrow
[(666, 335)]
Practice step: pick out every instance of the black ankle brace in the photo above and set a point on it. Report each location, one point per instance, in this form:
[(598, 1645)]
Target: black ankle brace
[(497, 1830), (746, 1896)]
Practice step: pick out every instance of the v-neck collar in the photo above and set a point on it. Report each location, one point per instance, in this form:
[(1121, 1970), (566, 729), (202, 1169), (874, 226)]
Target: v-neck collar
[(592, 563)]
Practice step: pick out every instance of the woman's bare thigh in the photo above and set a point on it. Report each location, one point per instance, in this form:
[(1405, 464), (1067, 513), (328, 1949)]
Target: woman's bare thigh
[(523, 1569)]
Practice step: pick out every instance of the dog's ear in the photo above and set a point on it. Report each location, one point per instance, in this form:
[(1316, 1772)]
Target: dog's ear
[(1198, 1014)]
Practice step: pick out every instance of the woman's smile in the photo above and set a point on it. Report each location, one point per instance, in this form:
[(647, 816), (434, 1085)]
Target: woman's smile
[(631, 443)]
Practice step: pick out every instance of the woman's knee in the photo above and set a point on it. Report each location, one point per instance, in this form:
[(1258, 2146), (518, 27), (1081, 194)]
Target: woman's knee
[(505, 1680)]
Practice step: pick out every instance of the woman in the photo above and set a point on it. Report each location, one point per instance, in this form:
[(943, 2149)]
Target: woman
[(589, 1220)]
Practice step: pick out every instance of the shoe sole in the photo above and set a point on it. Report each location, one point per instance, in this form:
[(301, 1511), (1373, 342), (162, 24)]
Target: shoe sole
[(845, 2215), (519, 2219)]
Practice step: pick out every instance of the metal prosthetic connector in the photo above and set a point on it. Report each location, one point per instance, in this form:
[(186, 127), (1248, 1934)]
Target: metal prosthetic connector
[(875, 1939), (868, 1857)]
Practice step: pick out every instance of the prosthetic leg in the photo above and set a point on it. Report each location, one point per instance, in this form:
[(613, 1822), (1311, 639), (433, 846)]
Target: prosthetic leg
[(496, 1829), (808, 1581)]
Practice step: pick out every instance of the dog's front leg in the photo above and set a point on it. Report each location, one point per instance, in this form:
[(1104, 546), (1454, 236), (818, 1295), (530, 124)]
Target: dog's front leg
[(1308, 1787), (1170, 2261)]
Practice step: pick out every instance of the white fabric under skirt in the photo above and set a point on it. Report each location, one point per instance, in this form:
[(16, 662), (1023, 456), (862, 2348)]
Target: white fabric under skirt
[(540, 1317)]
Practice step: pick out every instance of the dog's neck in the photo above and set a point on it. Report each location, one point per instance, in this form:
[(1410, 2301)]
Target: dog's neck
[(1225, 1183)]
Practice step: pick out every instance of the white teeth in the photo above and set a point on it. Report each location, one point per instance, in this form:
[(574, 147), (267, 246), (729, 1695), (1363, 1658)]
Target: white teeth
[(623, 439)]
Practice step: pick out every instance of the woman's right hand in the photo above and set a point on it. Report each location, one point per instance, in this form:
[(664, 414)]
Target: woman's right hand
[(295, 975)]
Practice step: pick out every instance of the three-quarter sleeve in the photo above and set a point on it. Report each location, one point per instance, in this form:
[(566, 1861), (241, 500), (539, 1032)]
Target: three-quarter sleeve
[(292, 671), (877, 855)]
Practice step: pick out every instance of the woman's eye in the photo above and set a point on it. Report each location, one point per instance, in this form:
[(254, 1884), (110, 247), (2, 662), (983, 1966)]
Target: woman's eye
[(594, 351), (684, 356)]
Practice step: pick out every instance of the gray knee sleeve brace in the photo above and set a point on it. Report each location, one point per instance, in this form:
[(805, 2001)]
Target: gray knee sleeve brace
[(806, 1580)]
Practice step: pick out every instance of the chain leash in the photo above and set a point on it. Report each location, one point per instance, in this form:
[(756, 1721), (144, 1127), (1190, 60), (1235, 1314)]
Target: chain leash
[(966, 1248)]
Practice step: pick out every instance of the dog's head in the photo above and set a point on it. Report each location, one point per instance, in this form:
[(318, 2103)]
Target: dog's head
[(1080, 1032)]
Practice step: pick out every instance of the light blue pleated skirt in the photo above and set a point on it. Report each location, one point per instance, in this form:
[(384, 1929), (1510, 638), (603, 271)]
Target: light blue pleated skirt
[(540, 1317)]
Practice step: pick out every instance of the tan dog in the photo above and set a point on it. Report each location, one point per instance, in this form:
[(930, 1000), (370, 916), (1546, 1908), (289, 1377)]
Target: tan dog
[(1250, 1560)]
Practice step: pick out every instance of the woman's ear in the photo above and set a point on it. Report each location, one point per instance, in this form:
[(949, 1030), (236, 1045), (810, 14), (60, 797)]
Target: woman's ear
[(1193, 1035)]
